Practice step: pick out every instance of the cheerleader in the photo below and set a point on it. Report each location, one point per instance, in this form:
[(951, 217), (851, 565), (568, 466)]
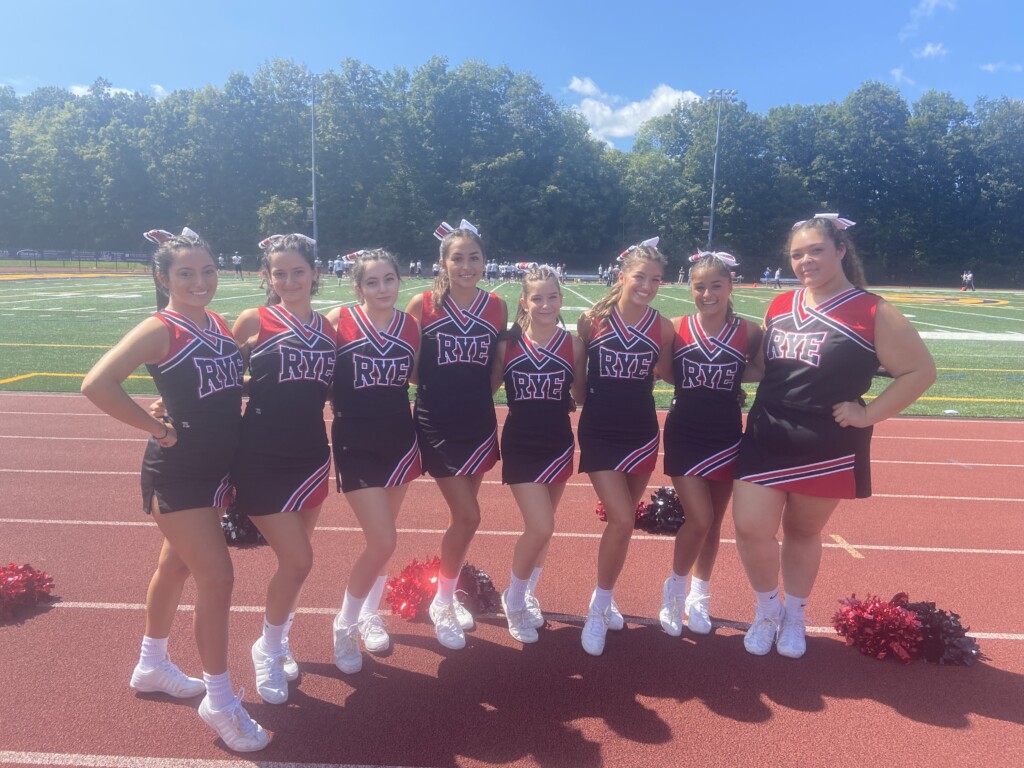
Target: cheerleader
[(809, 430), (711, 352), (197, 370), (375, 448), (543, 368), (283, 465), (454, 409), (618, 429)]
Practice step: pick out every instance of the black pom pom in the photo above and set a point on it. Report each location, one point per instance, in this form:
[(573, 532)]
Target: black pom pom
[(664, 514), (239, 530), (477, 592), (945, 639)]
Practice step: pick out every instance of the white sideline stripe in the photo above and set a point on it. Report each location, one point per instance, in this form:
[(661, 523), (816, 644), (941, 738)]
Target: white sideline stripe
[(565, 618), (557, 534), (949, 463), (498, 482), (135, 761)]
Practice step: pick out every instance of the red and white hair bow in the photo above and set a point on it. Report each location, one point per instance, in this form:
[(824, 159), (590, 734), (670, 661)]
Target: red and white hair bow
[(839, 222), (444, 228), (726, 258), (650, 243), (160, 236)]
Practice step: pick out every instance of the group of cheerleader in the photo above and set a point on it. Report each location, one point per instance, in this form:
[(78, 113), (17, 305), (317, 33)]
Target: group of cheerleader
[(804, 449)]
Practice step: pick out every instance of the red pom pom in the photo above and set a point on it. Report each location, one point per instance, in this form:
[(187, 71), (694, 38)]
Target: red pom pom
[(880, 628), (22, 586), (601, 514), (410, 593)]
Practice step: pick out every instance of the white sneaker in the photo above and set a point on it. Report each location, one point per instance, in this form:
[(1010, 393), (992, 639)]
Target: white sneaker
[(166, 678), (792, 642), (697, 617), (533, 611), (671, 613), (595, 630), (518, 622), (762, 633), (464, 616), (239, 731), (375, 637), (271, 683), (291, 668), (615, 620), (347, 656), (446, 626)]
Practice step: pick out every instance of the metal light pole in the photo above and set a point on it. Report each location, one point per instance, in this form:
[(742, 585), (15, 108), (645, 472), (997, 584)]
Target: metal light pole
[(721, 96), (312, 163)]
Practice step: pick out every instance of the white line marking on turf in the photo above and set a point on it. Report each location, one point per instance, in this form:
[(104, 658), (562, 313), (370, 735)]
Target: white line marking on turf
[(841, 543), (135, 761)]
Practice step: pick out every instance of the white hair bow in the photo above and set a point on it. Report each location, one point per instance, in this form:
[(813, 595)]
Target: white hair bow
[(160, 236), (839, 222), (726, 258), (445, 228), (650, 243)]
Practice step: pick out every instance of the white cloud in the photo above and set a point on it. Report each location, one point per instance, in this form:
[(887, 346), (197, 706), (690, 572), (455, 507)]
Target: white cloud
[(924, 10), (1001, 66), (931, 51), (83, 90), (159, 92), (899, 77), (609, 121)]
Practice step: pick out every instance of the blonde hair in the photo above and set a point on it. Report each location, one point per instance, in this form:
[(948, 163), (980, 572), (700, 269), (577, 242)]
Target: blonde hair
[(442, 283), (536, 275), (635, 256)]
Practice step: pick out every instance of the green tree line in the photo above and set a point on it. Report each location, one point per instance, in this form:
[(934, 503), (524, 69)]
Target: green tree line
[(935, 186)]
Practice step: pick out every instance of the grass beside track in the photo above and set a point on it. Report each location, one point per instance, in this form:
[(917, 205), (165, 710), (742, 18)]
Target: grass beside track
[(53, 328)]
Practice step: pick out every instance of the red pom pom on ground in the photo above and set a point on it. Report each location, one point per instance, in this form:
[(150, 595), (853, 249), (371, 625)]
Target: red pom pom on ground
[(21, 587), (409, 594), (879, 628)]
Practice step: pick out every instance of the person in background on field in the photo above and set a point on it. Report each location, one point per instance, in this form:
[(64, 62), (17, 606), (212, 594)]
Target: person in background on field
[(186, 481), (455, 421), (618, 430), (282, 469), (712, 352), (375, 449), (809, 431), (543, 368), (778, 278), (236, 260)]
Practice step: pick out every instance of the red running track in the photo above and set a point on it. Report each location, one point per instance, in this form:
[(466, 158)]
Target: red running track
[(944, 525)]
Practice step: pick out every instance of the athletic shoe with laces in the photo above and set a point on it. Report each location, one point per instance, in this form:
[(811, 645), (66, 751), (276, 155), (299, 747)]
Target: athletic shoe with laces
[(271, 682), (518, 622), (239, 731), (697, 617), (792, 642), (347, 656), (446, 626), (375, 637), (291, 667), (671, 613), (533, 611), (166, 678), (761, 636), (615, 620), (465, 618), (595, 629)]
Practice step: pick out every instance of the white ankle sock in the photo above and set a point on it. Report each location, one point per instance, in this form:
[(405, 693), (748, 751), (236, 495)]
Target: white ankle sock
[(218, 690), (350, 608), (699, 588), (446, 589), (273, 637), (372, 603), (601, 600), (288, 625), (534, 578), (768, 604), (794, 607), (515, 598), (153, 653)]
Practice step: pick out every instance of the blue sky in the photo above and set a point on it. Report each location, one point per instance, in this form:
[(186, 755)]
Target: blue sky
[(618, 63)]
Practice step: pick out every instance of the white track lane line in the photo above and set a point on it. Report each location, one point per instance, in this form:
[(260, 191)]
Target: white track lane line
[(134, 761)]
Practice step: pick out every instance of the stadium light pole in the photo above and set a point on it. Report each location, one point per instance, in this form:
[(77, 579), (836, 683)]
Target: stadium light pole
[(312, 162), (721, 95)]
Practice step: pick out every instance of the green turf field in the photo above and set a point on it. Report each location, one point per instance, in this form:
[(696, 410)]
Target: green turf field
[(52, 329)]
